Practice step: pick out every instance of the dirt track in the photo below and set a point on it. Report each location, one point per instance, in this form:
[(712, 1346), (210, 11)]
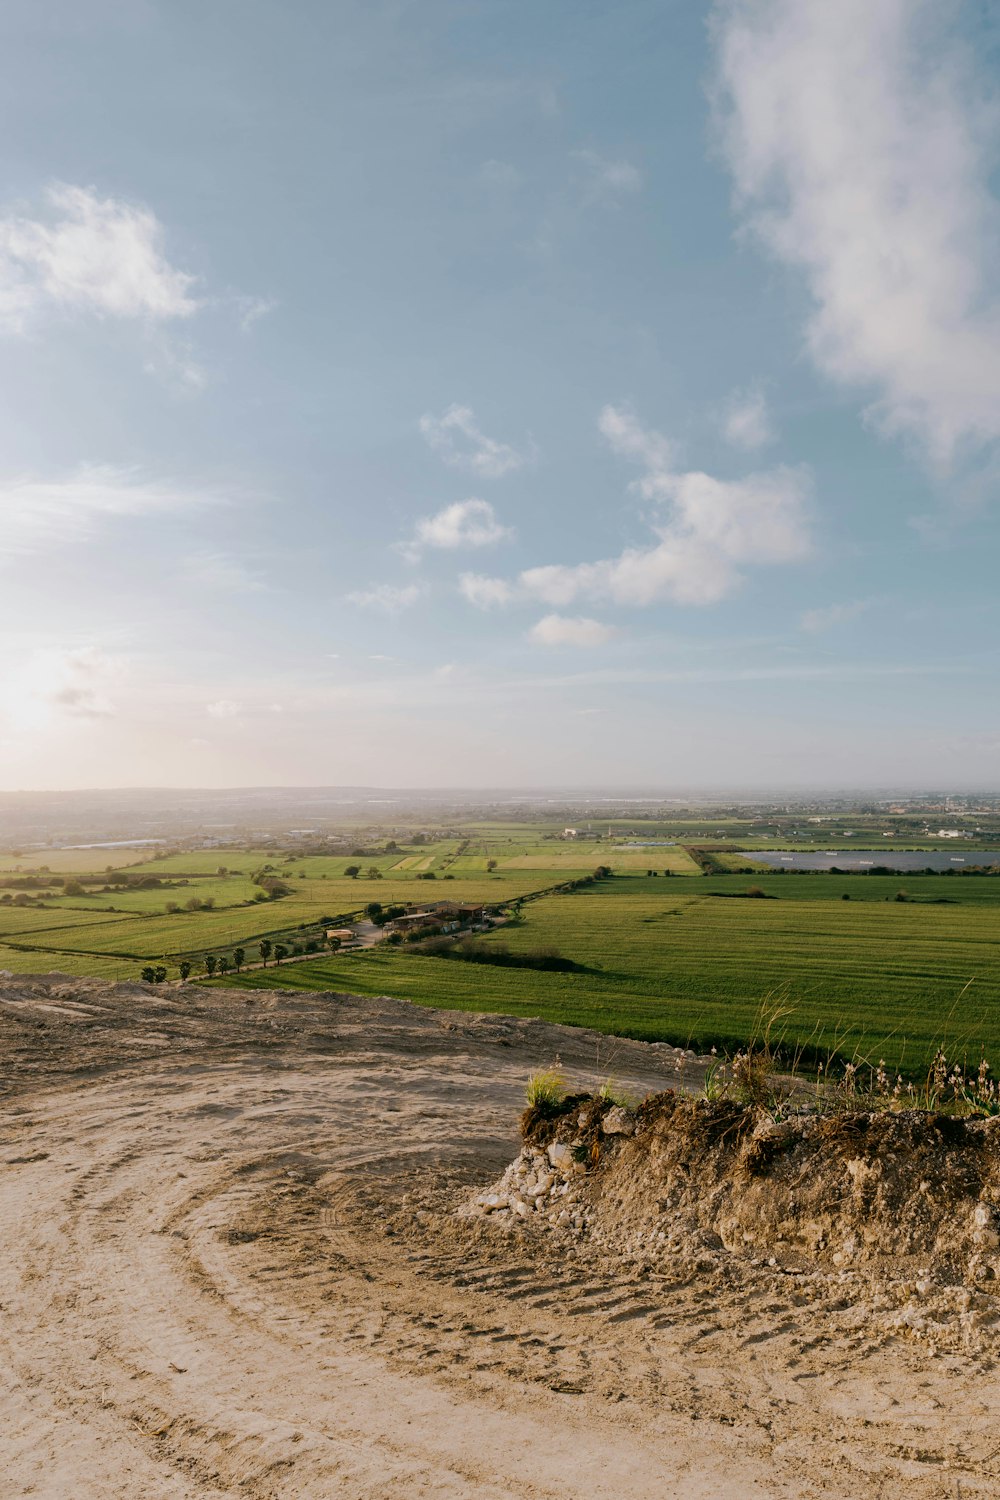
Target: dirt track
[(232, 1267)]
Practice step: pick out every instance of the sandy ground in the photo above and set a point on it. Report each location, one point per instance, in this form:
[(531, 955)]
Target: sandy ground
[(232, 1266)]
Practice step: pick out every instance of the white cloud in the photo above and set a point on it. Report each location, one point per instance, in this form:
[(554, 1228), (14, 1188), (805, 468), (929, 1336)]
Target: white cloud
[(567, 630), (249, 309), (861, 149), (386, 596), (223, 708), (747, 423), (41, 514), (710, 529), (466, 523), (628, 438), (217, 570), (829, 615), (484, 592), (85, 253), (461, 444), (606, 177)]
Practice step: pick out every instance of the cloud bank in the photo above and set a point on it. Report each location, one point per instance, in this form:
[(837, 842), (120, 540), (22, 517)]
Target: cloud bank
[(861, 150), (707, 531)]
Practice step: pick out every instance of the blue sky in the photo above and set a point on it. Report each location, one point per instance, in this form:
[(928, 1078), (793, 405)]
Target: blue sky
[(494, 393)]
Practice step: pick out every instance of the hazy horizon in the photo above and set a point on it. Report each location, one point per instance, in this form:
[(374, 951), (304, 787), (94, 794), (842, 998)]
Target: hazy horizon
[(434, 396)]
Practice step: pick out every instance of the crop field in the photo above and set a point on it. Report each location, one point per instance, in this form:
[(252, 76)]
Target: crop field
[(885, 978), (32, 919), (887, 964), (79, 929)]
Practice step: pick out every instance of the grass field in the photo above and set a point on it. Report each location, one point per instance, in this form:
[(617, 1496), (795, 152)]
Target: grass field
[(890, 979), (689, 959)]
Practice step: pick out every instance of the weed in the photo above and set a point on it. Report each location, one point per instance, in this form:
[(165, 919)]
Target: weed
[(612, 1093), (545, 1089)]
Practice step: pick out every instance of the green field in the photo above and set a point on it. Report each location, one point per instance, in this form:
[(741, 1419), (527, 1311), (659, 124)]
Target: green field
[(682, 956), (889, 979)]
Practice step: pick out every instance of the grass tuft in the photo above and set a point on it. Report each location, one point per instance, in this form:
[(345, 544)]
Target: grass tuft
[(545, 1089)]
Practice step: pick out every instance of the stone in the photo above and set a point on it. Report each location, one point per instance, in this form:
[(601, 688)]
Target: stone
[(618, 1121)]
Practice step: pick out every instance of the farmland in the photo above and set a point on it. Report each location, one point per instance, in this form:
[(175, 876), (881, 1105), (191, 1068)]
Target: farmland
[(876, 975), (884, 964)]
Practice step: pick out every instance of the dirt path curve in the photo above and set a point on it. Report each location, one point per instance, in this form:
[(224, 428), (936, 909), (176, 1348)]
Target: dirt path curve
[(231, 1267)]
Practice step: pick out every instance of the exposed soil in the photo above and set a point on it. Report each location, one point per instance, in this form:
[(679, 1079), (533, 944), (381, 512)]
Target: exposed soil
[(239, 1260)]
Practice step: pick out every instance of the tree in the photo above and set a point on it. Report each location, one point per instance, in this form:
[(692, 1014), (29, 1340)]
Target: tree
[(239, 954), (193, 903), (73, 888), (373, 872), (353, 871), (149, 974), (173, 906), (223, 964), (373, 910), (159, 973), (334, 943), (264, 949), (210, 962), (491, 865), (280, 952), (184, 968)]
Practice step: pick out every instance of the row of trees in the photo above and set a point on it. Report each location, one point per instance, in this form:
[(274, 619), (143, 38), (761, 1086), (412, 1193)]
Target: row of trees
[(218, 963)]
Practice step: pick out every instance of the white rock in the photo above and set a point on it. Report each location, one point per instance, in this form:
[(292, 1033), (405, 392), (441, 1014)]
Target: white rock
[(618, 1121)]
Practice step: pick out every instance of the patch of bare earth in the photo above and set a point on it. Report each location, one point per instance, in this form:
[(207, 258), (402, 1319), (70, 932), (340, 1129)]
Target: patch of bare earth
[(242, 1255)]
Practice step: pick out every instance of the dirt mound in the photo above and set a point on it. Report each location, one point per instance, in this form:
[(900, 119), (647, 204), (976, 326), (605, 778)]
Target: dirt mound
[(234, 1266), (908, 1194)]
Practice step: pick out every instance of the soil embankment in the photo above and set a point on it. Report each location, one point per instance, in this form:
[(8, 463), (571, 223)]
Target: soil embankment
[(237, 1263)]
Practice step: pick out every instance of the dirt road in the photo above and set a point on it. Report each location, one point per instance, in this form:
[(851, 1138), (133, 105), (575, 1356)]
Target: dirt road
[(232, 1267)]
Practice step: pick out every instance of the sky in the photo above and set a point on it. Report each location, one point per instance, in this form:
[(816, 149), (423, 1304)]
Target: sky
[(484, 393)]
